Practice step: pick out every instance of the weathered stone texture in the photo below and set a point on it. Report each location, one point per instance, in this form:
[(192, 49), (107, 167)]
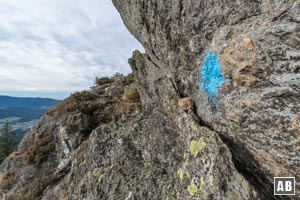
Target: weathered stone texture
[(258, 48), (226, 141)]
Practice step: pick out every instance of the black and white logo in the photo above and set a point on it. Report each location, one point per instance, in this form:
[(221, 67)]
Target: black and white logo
[(284, 185)]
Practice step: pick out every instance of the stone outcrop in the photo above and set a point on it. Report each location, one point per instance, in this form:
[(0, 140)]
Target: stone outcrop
[(252, 101), (218, 115)]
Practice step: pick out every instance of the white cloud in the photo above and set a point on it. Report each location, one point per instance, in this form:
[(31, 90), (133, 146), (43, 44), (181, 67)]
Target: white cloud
[(60, 45)]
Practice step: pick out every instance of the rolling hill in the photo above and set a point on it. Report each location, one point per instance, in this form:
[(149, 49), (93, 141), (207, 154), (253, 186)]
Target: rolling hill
[(22, 112)]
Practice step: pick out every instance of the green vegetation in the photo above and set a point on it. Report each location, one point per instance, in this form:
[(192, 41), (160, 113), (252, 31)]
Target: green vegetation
[(78, 101), (102, 81), (21, 114), (82, 97), (117, 75), (7, 141)]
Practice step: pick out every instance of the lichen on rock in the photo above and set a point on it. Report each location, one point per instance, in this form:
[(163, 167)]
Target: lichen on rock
[(170, 149), (197, 146), (180, 174), (192, 189)]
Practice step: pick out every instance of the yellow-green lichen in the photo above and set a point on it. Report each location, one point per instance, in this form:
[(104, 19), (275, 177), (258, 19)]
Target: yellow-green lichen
[(192, 189), (197, 146), (186, 163), (194, 127), (202, 183), (184, 155), (188, 174), (82, 163), (97, 172), (180, 174)]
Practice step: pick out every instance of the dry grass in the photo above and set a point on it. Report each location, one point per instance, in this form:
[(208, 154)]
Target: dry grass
[(7, 180), (31, 191), (12, 155), (131, 94), (43, 145), (79, 101), (102, 81)]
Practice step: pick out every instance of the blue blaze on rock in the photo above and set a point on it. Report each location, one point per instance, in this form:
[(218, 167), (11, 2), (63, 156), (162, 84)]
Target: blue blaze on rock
[(211, 78), (64, 146)]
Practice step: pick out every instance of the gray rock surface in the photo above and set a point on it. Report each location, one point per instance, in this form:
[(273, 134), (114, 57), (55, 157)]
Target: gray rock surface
[(257, 44), (237, 61)]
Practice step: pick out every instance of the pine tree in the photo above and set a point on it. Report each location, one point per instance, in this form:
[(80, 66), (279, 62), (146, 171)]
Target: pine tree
[(7, 141)]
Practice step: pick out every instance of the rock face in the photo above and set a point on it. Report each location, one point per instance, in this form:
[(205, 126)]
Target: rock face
[(240, 62), (237, 62)]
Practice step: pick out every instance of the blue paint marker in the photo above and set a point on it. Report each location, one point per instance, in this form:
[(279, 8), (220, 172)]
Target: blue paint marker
[(64, 146), (211, 78)]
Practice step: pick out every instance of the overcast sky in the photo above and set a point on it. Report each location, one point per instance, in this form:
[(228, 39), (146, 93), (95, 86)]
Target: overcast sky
[(50, 48)]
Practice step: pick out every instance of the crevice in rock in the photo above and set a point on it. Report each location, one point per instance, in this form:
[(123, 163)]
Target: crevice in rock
[(180, 8), (176, 89), (149, 58), (281, 14), (245, 164)]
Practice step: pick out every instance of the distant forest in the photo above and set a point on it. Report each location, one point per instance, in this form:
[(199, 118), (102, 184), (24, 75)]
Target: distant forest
[(26, 109), (21, 113)]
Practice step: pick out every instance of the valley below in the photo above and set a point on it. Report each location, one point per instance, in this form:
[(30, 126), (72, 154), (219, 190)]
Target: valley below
[(22, 113)]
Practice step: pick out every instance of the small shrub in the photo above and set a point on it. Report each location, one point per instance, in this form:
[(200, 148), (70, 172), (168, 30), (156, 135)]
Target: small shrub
[(7, 180), (83, 101), (140, 107), (41, 148), (102, 81), (126, 80), (79, 101), (131, 94), (33, 190), (117, 75), (83, 96)]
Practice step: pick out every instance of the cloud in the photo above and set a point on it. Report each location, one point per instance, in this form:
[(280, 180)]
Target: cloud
[(60, 46)]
